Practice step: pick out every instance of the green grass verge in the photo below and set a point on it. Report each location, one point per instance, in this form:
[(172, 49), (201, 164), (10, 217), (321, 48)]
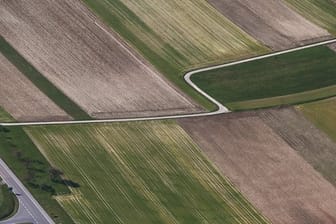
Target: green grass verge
[(321, 12), (143, 172), (4, 116), (41, 82), (8, 202), (291, 99), (322, 114), (168, 58), (28, 164), (285, 79)]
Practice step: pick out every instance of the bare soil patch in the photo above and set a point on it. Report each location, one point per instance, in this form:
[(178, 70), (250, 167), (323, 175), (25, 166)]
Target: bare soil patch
[(311, 143), (271, 21), (24, 101), (87, 61), (273, 176)]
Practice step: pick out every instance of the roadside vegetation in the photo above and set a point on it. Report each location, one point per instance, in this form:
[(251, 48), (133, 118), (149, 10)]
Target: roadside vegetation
[(41, 179), (143, 172), (41, 82), (321, 12), (4, 116), (8, 202), (292, 78), (174, 35)]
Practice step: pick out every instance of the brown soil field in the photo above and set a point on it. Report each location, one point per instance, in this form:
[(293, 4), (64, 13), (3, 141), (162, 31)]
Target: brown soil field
[(87, 61), (310, 142), (24, 101), (271, 21), (271, 174)]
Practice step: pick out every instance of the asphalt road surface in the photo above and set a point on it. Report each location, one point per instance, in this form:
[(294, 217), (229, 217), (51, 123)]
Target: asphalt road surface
[(29, 209)]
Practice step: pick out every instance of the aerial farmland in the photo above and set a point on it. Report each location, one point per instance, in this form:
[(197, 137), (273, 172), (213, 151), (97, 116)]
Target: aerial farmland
[(179, 111), (28, 105), (87, 61), (160, 176), (272, 22)]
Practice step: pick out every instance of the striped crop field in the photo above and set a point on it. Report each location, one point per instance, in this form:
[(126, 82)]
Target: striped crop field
[(144, 172), (321, 12), (181, 34)]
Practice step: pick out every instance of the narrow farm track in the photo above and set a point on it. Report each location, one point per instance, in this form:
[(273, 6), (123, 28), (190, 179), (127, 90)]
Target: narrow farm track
[(221, 109)]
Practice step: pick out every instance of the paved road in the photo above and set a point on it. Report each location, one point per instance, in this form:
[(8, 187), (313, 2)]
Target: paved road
[(29, 209), (220, 108)]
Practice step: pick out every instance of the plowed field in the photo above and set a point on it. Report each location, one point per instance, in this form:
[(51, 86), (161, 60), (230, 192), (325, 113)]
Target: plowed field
[(87, 61), (24, 101), (271, 21), (310, 142), (271, 174), (321, 12)]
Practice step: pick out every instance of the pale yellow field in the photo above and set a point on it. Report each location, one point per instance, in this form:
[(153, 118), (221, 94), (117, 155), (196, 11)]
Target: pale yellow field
[(186, 33), (145, 172)]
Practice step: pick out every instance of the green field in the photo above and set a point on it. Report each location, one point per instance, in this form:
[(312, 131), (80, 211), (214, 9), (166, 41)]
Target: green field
[(28, 164), (41, 82), (4, 116), (8, 202), (291, 78), (321, 12), (175, 35), (322, 114), (144, 172)]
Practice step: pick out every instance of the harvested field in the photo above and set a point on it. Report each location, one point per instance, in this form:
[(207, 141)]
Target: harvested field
[(272, 175), (145, 172), (271, 21), (291, 78), (322, 114), (321, 12), (311, 143), (24, 101), (88, 62), (42, 83)]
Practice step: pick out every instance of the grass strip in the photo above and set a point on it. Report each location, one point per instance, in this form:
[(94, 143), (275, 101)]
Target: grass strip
[(4, 116), (29, 165), (291, 78), (291, 99), (8, 202), (41, 82)]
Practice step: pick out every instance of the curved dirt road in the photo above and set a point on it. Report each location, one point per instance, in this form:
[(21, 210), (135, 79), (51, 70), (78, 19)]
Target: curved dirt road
[(221, 109)]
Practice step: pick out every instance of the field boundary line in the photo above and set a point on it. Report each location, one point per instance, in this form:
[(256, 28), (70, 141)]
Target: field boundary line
[(221, 109)]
